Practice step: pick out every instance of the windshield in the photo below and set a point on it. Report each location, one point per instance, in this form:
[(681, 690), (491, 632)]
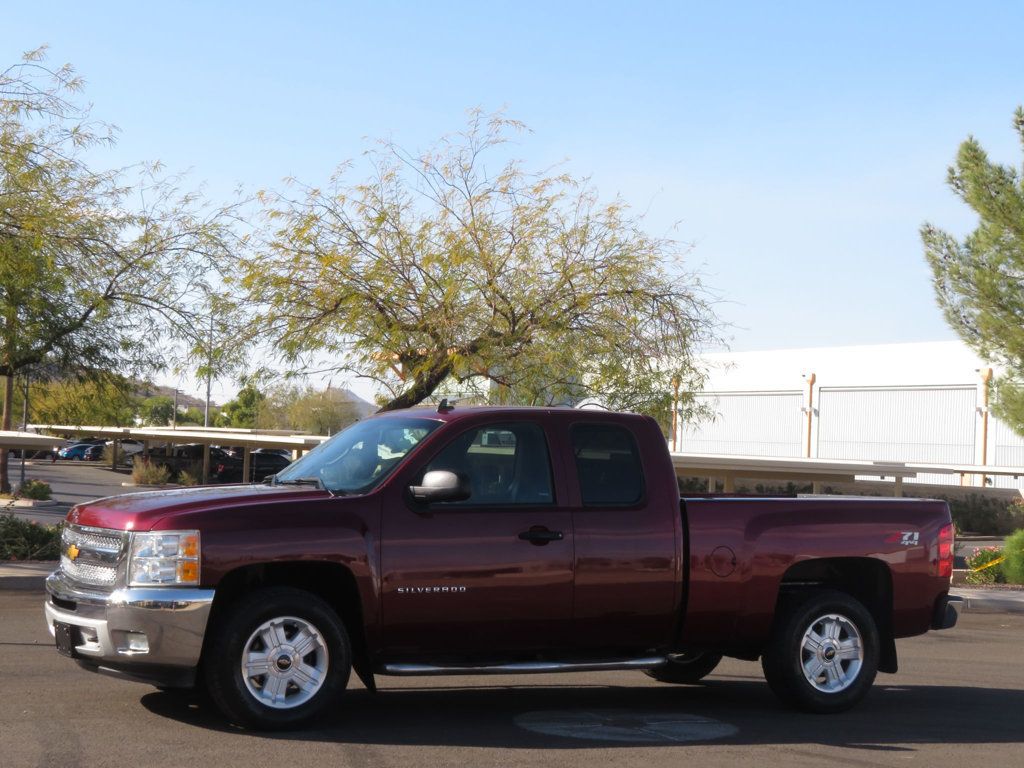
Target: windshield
[(358, 459)]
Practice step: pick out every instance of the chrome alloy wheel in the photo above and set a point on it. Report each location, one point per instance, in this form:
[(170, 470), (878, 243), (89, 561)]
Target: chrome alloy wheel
[(284, 662), (831, 653)]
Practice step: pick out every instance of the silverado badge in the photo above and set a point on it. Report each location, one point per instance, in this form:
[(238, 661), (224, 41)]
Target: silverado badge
[(73, 552)]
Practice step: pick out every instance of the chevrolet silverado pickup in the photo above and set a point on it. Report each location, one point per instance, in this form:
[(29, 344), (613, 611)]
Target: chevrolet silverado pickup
[(491, 540)]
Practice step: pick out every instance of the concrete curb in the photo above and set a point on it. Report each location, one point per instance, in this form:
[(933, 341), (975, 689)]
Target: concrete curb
[(981, 600), (25, 576)]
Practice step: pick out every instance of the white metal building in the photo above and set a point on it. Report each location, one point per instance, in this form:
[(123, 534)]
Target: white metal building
[(923, 402)]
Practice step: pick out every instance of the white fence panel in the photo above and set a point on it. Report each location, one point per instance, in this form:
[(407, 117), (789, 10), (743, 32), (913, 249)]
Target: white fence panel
[(913, 424), (747, 423), (1006, 449), (934, 425)]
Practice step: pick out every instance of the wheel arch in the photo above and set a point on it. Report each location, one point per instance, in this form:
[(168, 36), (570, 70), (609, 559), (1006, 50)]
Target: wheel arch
[(331, 581), (866, 579)]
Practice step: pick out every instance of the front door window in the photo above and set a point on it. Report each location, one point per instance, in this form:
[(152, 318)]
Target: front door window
[(505, 465)]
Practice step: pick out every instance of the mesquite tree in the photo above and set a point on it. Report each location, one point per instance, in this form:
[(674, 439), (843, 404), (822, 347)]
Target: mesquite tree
[(441, 269), (98, 270)]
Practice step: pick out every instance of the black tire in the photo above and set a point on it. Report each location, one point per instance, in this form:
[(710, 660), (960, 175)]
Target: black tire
[(836, 675), (243, 699), (685, 668)]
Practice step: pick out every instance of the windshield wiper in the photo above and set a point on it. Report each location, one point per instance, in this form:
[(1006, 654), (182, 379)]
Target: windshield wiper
[(303, 481), (310, 481)]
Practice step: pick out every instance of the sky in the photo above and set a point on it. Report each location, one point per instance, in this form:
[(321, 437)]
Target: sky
[(797, 147)]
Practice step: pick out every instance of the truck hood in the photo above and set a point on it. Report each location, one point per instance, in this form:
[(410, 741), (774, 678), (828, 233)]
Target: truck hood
[(142, 511)]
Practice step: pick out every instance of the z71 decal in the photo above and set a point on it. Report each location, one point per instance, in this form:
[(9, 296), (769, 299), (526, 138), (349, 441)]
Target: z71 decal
[(904, 538)]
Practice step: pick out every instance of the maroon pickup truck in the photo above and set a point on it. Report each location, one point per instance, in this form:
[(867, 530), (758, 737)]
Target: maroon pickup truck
[(491, 540)]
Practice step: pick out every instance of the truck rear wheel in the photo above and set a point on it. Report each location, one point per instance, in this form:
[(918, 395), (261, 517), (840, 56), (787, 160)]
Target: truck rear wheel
[(685, 668), (824, 653), (277, 658)]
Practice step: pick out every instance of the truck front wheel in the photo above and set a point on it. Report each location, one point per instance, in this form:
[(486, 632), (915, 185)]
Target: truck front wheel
[(276, 658), (823, 656), (685, 668)]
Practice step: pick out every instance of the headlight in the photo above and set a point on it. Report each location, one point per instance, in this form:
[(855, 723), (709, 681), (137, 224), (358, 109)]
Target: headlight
[(164, 557)]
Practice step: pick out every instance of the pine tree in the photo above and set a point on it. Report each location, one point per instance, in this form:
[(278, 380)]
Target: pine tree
[(979, 282)]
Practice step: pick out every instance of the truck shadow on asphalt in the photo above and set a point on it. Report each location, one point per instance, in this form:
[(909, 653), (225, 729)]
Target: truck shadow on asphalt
[(891, 718)]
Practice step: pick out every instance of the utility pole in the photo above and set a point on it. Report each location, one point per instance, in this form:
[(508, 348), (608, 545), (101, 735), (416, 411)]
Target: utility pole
[(986, 383), (209, 374), (24, 425), (174, 416)]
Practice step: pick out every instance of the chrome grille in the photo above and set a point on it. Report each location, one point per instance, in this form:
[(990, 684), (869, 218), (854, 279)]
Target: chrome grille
[(98, 552), (88, 573), (93, 540)]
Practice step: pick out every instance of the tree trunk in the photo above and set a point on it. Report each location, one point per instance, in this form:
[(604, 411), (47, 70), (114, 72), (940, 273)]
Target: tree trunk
[(5, 425), (423, 386)]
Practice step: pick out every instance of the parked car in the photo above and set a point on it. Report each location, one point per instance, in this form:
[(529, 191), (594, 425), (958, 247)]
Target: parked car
[(238, 451), (128, 447), (75, 452), (187, 457), (31, 453), (493, 540), (94, 452), (262, 464), (155, 449), (283, 452)]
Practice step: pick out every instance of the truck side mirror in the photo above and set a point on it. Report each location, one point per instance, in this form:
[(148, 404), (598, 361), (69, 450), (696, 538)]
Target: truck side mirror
[(441, 485)]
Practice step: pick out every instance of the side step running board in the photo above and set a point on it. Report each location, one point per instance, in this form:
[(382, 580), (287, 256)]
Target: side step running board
[(523, 667)]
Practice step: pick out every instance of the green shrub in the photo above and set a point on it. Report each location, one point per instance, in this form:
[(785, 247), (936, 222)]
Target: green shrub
[(1013, 565), (24, 540), (186, 477), (986, 516), (982, 556), (37, 490), (148, 473)]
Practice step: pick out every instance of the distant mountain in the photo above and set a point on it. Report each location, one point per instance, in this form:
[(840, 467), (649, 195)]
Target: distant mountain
[(148, 389), (363, 407)]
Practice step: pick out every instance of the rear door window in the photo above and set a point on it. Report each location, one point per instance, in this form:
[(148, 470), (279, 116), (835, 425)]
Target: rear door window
[(607, 465)]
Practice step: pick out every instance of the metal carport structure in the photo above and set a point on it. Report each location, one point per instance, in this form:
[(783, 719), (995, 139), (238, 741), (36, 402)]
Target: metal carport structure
[(246, 438)]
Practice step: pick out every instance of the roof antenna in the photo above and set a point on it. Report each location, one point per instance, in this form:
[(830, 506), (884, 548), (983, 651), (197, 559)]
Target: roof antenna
[(444, 406)]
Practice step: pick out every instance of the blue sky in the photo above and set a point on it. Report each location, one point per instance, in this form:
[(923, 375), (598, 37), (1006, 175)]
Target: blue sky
[(799, 146)]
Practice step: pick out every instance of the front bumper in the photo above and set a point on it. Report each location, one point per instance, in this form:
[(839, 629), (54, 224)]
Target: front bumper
[(153, 633)]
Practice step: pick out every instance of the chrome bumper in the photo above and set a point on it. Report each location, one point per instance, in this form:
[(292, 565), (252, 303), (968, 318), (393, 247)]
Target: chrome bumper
[(135, 629)]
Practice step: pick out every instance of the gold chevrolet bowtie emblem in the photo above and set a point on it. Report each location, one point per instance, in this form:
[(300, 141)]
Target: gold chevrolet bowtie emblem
[(73, 552)]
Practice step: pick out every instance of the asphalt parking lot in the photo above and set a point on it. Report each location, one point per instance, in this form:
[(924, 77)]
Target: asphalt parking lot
[(71, 483), (956, 701)]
